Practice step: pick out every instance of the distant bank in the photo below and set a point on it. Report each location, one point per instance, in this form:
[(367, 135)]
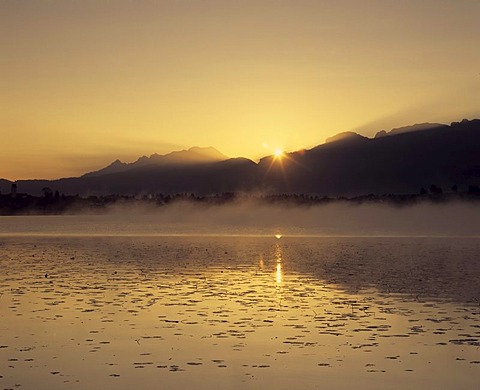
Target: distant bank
[(56, 204)]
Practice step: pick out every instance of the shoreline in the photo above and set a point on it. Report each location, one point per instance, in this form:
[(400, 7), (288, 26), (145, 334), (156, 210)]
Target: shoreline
[(24, 204)]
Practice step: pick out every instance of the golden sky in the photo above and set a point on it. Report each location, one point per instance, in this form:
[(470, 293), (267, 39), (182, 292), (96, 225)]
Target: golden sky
[(85, 82)]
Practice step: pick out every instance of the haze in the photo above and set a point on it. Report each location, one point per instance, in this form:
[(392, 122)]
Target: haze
[(253, 218), (86, 82)]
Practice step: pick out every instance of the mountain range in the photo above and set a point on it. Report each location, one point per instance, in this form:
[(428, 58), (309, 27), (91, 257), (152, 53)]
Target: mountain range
[(401, 161), (191, 156)]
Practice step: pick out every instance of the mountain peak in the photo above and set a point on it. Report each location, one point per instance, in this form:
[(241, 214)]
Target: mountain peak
[(114, 167), (345, 136), (117, 162), (194, 155)]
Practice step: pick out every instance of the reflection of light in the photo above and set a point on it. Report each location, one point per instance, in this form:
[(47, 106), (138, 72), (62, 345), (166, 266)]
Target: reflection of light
[(261, 265), (278, 256), (279, 273), (278, 235)]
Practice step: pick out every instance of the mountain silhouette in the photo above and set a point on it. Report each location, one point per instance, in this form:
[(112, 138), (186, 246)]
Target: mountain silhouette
[(194, 155), (408, 129), (401, 161), (5, 186), (347, 136)]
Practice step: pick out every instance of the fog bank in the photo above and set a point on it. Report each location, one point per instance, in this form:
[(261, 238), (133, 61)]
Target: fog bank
[(252, 218)]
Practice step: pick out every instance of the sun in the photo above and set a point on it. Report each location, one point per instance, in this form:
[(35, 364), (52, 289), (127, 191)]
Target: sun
[(278, 153)]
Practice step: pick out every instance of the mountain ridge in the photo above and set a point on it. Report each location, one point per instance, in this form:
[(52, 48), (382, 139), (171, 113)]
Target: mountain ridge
[(192, 155), (348, 164)]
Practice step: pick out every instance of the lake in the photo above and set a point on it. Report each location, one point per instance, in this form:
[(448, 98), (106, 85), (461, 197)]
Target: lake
[(106, 305)]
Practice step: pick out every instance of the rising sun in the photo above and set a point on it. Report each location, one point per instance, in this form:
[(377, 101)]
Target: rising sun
[(278, 153)]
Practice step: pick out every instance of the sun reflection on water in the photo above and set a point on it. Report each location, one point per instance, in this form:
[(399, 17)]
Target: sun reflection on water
[(279, 273), (278, 257)]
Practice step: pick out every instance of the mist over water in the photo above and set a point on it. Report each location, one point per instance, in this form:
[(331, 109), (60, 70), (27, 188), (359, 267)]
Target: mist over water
[(253, 218)]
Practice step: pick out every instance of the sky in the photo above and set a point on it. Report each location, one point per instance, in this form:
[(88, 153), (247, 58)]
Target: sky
[(83, 82)]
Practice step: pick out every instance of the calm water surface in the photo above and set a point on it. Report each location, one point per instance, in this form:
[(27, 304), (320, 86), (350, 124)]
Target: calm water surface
[(238, 312)]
